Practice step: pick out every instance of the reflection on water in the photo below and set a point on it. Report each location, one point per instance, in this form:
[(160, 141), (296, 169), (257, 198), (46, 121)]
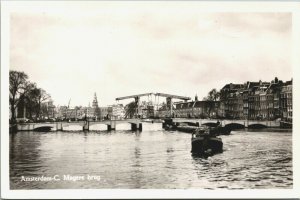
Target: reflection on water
[(153, 158)]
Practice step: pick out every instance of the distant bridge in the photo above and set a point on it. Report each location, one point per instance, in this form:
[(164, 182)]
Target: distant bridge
[(136, 124), (233, 123)]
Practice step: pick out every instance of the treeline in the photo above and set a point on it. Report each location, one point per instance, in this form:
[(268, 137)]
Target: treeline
[(213, 95), (25, 95)]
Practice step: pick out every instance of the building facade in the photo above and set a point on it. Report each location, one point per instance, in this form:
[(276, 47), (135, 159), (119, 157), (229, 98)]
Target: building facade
[(258, 100), (194, 109), (116, 112), (286, 99)]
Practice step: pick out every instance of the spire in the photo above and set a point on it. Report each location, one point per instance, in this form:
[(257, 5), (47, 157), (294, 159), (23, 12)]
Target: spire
[(95, 101)]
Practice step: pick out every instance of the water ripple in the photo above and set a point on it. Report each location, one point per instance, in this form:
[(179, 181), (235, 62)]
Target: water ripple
[(153, 158)]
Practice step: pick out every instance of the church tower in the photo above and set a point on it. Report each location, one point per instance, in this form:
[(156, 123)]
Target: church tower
[(97, 112), (95, 101)]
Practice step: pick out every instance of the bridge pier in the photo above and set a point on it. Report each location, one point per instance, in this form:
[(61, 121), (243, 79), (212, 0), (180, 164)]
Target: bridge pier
[(86, 126), (59, 127), (133, 127), (136, 126), (111, 126)]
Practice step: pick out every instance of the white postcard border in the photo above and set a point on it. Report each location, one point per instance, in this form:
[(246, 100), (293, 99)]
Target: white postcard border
[(216, 6)]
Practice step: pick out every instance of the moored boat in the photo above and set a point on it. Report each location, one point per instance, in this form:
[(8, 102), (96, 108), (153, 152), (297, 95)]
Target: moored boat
[(190, 127), (285, 124), (187, 129), (219, 130)]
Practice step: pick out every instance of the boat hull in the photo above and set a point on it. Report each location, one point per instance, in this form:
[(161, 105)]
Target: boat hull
[(206, 146)]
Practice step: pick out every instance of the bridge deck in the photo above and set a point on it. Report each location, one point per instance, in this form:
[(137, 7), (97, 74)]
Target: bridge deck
[(245, 123), (111, 124)]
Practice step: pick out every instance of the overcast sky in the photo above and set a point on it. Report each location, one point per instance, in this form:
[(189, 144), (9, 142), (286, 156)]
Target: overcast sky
[(124, 50)]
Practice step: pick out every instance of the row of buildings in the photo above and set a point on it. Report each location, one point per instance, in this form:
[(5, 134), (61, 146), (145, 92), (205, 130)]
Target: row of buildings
[(95, 112), (92, 112), (193, 109), (251, 100), (258, 100)]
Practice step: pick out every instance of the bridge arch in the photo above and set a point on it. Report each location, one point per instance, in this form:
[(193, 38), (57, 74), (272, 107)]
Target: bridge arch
[(190, 123), (36, 127), (210, 124), (257, 126), (43, 128), (234, 126)]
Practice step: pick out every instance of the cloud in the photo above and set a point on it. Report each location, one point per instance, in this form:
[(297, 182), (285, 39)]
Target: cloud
[(117, 52)]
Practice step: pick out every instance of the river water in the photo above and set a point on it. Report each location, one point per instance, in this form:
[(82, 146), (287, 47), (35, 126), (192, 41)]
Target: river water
[(153, 158)]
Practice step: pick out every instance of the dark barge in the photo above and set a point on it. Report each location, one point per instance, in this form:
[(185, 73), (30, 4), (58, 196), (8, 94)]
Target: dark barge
[(205, 143), (189, 127)]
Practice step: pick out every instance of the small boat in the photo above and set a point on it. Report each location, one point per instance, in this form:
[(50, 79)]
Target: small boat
[(170, 127), (285, 124), (219, 130), (187, 129), (205, 143)]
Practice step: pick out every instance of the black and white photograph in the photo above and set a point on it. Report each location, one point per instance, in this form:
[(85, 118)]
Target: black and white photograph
[(165, 95)]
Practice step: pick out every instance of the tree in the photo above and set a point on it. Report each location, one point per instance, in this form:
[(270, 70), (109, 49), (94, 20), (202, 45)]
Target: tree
[(209, 107), (24, 94), (26, 100), (212, 96), (17, 83), (130, 110), (41, 97), (31, 99)]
